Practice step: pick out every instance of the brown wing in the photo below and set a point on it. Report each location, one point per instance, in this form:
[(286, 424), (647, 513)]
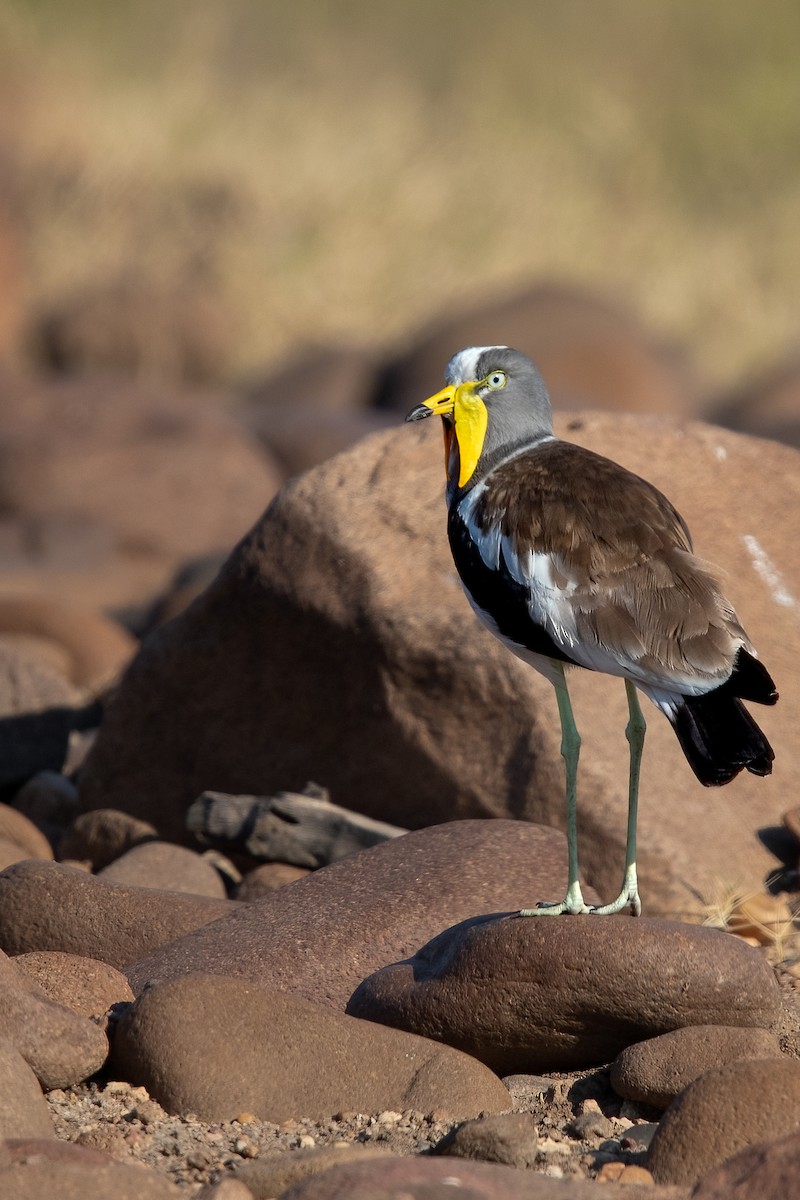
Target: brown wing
[(621, 556)]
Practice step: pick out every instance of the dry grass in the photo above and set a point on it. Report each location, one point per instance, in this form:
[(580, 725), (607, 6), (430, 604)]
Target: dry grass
[(337, 169)]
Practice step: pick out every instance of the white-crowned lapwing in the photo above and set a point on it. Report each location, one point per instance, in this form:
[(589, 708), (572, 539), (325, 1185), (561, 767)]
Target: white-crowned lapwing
[(571, 560)]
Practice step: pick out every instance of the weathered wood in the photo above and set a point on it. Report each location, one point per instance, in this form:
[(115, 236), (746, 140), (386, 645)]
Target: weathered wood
[(308, 831)]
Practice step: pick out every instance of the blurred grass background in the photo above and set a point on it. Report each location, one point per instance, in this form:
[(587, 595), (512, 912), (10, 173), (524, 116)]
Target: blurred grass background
[(345, 170)]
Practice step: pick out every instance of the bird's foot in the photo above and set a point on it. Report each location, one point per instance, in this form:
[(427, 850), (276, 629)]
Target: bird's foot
[(628, 898), (573, 904)]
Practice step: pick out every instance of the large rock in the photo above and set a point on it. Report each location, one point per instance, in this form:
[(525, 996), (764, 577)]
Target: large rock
[(422, 1178), (183, 1041), (341, 649), (168, 474), (320, 937), (532, 995), (49, 906), (592, 352), (724, 1111), (37, 1170)]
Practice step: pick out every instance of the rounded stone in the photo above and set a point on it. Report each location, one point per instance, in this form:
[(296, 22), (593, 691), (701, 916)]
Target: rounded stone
[(722, 1112), (542, 993), (656, 1070)]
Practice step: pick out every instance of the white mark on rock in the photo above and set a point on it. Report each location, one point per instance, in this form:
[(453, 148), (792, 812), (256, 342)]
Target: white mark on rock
[(765, 567), (720, 453)]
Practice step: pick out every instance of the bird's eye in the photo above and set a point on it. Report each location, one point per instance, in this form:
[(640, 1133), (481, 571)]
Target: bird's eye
[(497, 379)]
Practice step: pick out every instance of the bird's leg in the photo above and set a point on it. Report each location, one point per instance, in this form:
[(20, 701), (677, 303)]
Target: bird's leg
[(573, 902), (634, 732)]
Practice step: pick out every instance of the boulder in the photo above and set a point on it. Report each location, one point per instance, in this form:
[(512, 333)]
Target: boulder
[(329, 662), (183, 1040), (528, 994)]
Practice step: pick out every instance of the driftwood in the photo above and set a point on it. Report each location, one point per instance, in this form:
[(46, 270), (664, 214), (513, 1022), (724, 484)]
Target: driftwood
[(306, 830)]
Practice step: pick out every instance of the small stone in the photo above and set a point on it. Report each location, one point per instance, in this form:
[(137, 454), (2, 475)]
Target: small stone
[(389, 1117), (610, 1172), (509, 1138), (635, 1174), (306, 1142), (588, 1125), (246, 1147), (638, 1137)]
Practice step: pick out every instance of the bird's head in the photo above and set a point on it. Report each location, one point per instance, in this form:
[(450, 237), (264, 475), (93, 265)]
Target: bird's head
[(495, 399)]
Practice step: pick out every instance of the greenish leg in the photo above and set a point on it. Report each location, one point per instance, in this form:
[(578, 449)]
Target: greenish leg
[(634, 732), (573, 902)]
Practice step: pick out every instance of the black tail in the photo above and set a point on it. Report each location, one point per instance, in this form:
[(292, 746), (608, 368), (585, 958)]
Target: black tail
[(717, 733)]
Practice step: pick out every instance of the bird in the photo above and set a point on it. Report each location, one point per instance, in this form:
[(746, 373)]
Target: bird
[(573, 561)]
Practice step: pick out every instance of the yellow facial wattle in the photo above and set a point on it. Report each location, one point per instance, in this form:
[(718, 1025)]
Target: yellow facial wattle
[(470, 418)]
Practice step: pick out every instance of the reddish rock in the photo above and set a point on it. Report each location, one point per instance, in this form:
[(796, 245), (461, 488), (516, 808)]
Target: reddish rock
[(42, 1169), (528, 994), (270, 1174), (169, 473), (422, 1178), (23, 1108), (131, 327), (768, 1171), (96, 647), (724, 1111), (437, 720), (268, 878), (16, 827), (657, 1070), (592, 352), (767, 405), (183, 1040), (48, 906), (85, 985), (59, 1046), (168, 867), (321, 936), (104, 835), (38, 709)]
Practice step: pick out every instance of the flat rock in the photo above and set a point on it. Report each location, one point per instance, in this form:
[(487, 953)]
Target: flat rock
[(23, 1108), (768, 1171), (60, 1047), (183, 1040), (41, 1169), (655, 1071), (423, 1178), (85, 985), (321, 936), (724, 1111), (538, 994), (438, 721), (49, 906), (168, 867)]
